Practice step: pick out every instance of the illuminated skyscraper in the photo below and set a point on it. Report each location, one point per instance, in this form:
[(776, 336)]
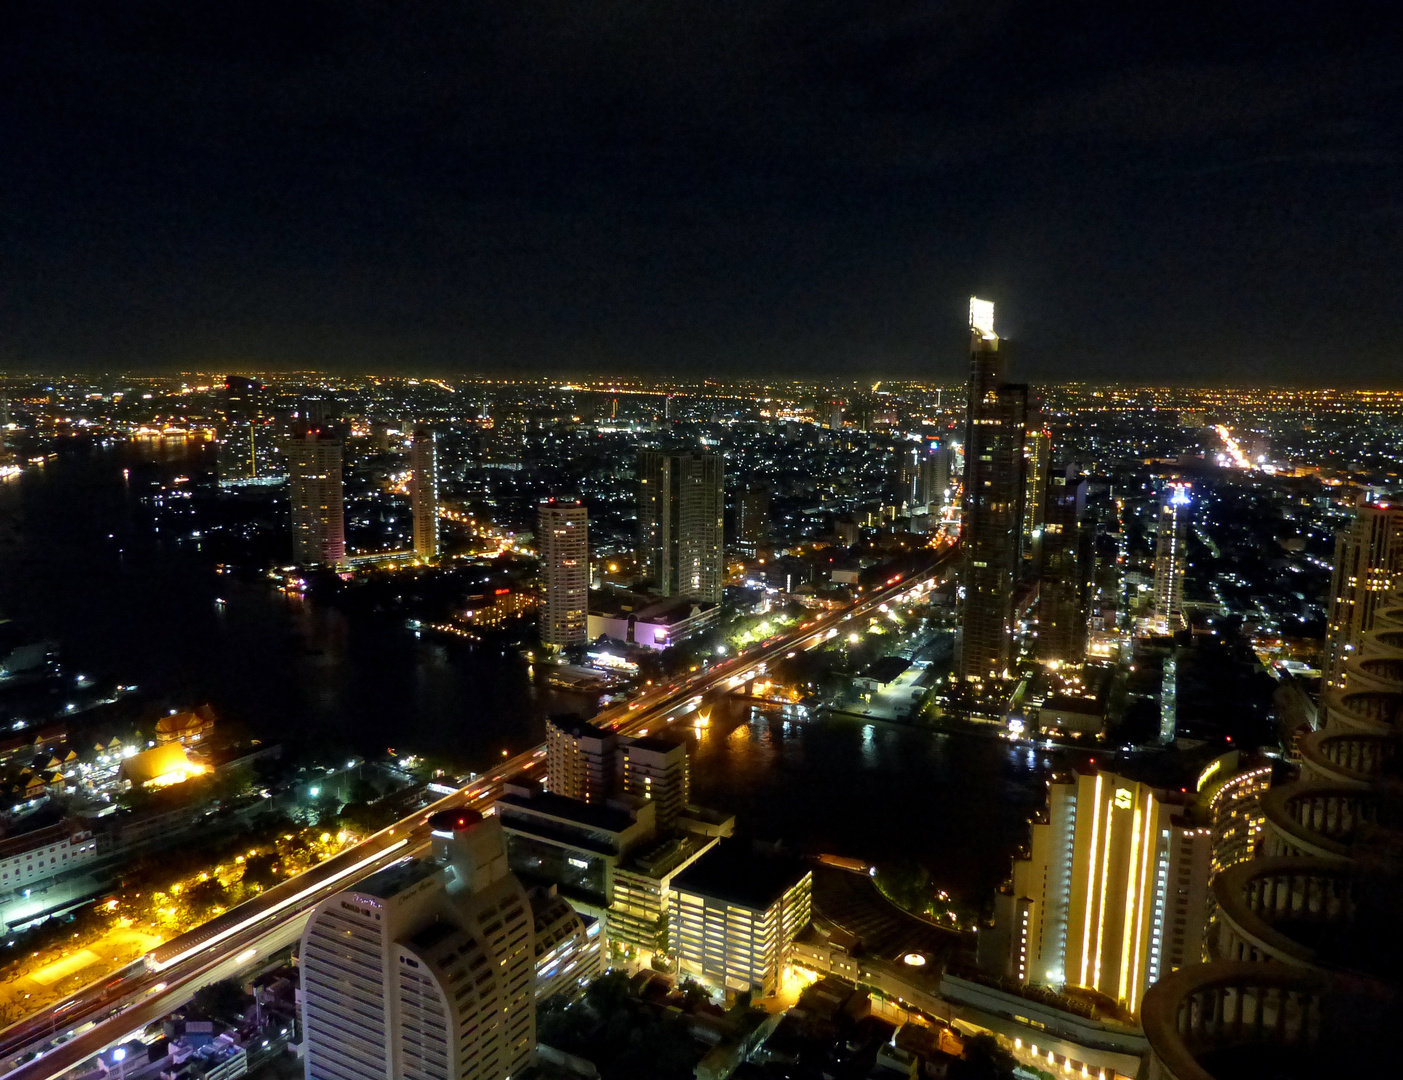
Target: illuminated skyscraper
[(1064, 588), (240, 431), (1368, 566), (1037, 461), (1113, 895), (681, 520), (318, 508), (991, 528), (655, 767), (562, 537), (1171, 556), (423, 481), (425, 970)]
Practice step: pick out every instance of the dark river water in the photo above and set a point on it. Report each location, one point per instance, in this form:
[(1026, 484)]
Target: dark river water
[(82, 563)]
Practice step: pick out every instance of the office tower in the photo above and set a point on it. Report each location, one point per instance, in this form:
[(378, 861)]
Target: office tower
[(655, 767), (425, 970), (1171, 556), (237, 434), (423, 489), (1368, 566), (1037, 461), (681, 514), (318, 510), (235, 454), (562, 537), (579, 759), (992, 512), (1112, 895), (1064, 587), (245, 398), (753, 516), (575, 846), (735, 912)]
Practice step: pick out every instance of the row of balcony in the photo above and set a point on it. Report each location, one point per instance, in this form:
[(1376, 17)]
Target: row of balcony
[(1305, 944)]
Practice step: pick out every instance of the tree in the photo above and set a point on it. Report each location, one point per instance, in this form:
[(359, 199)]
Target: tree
[(260, 871)]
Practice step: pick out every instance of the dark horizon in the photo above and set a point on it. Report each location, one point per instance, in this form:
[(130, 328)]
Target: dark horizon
[(804, 189)]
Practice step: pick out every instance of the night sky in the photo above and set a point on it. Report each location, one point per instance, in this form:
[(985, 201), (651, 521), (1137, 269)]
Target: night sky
[(1149, 191)]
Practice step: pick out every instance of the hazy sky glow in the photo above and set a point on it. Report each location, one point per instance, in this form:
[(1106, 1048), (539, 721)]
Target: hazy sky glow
[(805, 187)]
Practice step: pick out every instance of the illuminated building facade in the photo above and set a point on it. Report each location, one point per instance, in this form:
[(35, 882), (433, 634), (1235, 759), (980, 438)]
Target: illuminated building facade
[(655, 768), (423, 491), (1171, 556), (579, 759), (562, 537), (1114, 892), (681, 522), (1231, 790), (991, 527), (1037, 465), (735, 912), (315, 490), (1368, 566), (425, 970), (568, 945), (1065, 574)]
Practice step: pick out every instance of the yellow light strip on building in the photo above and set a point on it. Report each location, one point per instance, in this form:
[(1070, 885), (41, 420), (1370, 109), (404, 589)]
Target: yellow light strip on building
[(1101, 913), (1146, 898), (1090, 865), (1131, 883)]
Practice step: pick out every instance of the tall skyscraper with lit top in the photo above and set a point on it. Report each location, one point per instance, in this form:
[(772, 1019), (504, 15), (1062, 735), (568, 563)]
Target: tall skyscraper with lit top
[(318, 502), (562, 538), (423, 491), (991, 529), (1171, 556)]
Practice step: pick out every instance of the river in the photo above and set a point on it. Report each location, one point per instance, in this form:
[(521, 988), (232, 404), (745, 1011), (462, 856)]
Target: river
[(82, 562)]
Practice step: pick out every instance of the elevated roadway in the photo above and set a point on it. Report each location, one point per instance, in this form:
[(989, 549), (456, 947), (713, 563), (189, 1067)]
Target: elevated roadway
[(121, 1005)]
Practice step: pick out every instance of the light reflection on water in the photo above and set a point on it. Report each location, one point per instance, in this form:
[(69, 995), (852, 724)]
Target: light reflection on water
[(878, 792)]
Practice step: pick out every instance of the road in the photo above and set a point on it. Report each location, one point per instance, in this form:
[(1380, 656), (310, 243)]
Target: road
[(122, 1005)]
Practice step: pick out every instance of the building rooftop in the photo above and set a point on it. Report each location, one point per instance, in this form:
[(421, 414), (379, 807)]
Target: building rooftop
[(395, 878), (887, 669), (578, 728), (736, 872), (550, 805), (658, 744)]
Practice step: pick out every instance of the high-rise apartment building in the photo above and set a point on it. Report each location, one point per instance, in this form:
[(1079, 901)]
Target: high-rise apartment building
[(1171, 555), (423, 492), (681, 522), (655, 767), (922, 475), (1065, 575), (562, 538), (753, 518), (1113, 894), (991, 527), (315, 491), (579, 759), (425, 970), (1368, 567)]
